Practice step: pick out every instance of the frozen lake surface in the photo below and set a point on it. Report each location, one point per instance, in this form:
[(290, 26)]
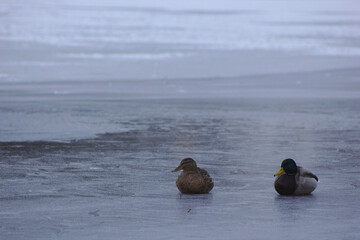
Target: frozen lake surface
[(100, 100), (119, 185)]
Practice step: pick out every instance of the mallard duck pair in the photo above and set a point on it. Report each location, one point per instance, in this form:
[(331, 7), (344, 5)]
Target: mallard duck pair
[(291, 179)]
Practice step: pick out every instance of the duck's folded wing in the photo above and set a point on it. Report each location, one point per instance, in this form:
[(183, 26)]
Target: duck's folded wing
[(307, 173), (203, 172), (208, 180)]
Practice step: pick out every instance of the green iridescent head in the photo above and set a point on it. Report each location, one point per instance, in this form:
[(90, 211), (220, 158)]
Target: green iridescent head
[(288, 166)]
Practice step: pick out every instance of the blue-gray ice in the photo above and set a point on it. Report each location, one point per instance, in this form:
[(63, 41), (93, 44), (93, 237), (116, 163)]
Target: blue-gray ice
[(100, 100)]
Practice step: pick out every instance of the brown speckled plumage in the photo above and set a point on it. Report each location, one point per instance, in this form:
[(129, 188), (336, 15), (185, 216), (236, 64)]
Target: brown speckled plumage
[(193, 180)]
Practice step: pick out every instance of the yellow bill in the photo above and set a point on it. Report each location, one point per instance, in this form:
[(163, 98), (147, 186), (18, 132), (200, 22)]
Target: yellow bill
[(281, 170)]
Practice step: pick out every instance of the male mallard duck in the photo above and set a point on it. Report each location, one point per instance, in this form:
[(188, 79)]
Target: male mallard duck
[(193, 180), (294, 180)]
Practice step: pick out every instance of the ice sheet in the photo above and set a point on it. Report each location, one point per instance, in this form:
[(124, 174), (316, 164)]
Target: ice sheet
[(100, 100)]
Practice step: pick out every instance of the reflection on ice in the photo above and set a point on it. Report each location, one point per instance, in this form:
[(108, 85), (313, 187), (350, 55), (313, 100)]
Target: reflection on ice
[(292, 207), (190, 203)]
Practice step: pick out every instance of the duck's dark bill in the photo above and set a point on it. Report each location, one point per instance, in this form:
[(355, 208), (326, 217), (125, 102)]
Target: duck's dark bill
[(177, 169)]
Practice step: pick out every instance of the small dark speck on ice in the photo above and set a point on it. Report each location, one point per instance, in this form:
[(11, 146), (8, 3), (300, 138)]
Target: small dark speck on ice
[(95, 213)]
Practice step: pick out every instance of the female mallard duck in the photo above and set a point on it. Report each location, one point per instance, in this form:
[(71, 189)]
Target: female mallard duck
[(193, 180), (294, 180)]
